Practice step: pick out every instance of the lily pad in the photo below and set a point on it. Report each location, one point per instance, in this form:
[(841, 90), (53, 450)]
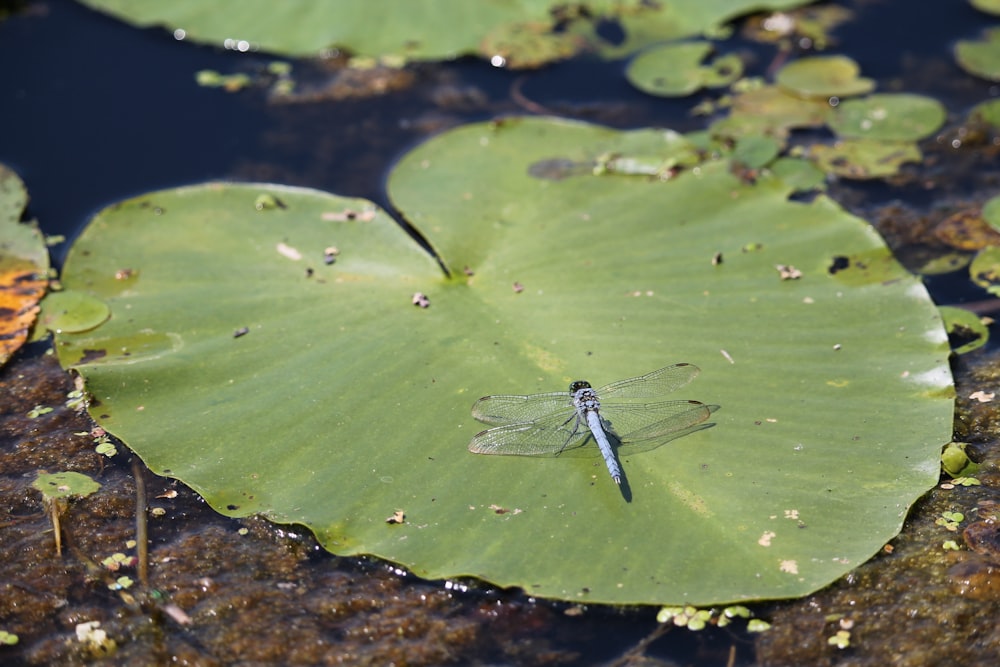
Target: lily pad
[(772, 111), (991, 213), (985, 269), (755, 152), (864, 158), (967, 229), (65, 485), (965, 326), (988, 6), (889, 116), (675, 70), (824, 76), (987, 112), (525, 33), (273, 382), (72, 311), (799, 174), (981, 57)]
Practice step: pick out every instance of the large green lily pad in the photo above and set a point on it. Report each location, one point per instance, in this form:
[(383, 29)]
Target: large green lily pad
[(519, 33), (240, 362)]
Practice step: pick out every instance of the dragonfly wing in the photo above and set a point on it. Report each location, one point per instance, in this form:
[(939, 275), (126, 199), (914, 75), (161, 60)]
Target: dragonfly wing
[(548, 436), (651, 385), (636, 422), (521, 409)]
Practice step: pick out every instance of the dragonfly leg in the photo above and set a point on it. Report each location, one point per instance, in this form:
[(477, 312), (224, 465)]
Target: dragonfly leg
[(576, 430)]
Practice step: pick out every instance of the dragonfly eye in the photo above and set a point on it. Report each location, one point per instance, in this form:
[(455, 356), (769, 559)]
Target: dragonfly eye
[(578, 385)]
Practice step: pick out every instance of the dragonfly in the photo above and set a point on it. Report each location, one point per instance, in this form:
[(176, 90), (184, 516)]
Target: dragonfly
[(560, 422)]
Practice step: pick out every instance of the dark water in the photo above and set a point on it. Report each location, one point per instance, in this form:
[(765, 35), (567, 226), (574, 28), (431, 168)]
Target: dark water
[(95, 111)]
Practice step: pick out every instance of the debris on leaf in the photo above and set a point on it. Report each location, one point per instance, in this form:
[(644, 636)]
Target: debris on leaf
[(289, 252), (788, 272)]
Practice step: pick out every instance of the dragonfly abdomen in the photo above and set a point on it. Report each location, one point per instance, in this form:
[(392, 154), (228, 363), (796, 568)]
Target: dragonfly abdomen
[(597, 428)]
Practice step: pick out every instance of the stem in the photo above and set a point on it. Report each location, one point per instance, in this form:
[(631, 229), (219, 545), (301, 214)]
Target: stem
[(141, 536)]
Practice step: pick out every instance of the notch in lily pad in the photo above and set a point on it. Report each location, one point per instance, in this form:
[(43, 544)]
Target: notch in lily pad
[(56, 489), (966, 330)]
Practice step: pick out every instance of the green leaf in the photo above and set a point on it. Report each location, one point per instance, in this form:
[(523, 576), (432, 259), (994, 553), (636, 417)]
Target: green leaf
[(799, 174), (981, 57), (889, 116), (991, 212), (523, 33), (965, 326), (343, 404), (955, 462), (986, 112), (755, 152), (772, 111), (72, 311), (824, 76), (675, 70), (988, 6), (864, 158), (985, 269), (64, 485)]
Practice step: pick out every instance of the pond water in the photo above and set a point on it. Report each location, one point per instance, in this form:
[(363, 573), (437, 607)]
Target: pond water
[(97, 111)]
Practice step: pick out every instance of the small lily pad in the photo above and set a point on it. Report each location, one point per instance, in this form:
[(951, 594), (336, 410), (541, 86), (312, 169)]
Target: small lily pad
[(988, 6), (824, 76), (73, 311), (940, 264), (991, 213), (675, 70), (772, 111), (987, 112), (756, 151), (864, 158), (800, 174), (956, 462), (981, 57), (530, 44), (966, 327), (966, 229), (64, 485), (985, 269), (889, 116)]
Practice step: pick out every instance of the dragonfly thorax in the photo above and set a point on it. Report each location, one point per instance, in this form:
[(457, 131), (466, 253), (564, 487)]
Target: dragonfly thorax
[(584, 397)]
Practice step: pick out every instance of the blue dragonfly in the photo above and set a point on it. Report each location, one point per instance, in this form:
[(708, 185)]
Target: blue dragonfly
[(560, 422)]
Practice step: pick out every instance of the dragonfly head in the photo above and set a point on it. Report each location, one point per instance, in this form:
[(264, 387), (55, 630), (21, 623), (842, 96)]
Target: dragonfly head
[(578, 385)]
